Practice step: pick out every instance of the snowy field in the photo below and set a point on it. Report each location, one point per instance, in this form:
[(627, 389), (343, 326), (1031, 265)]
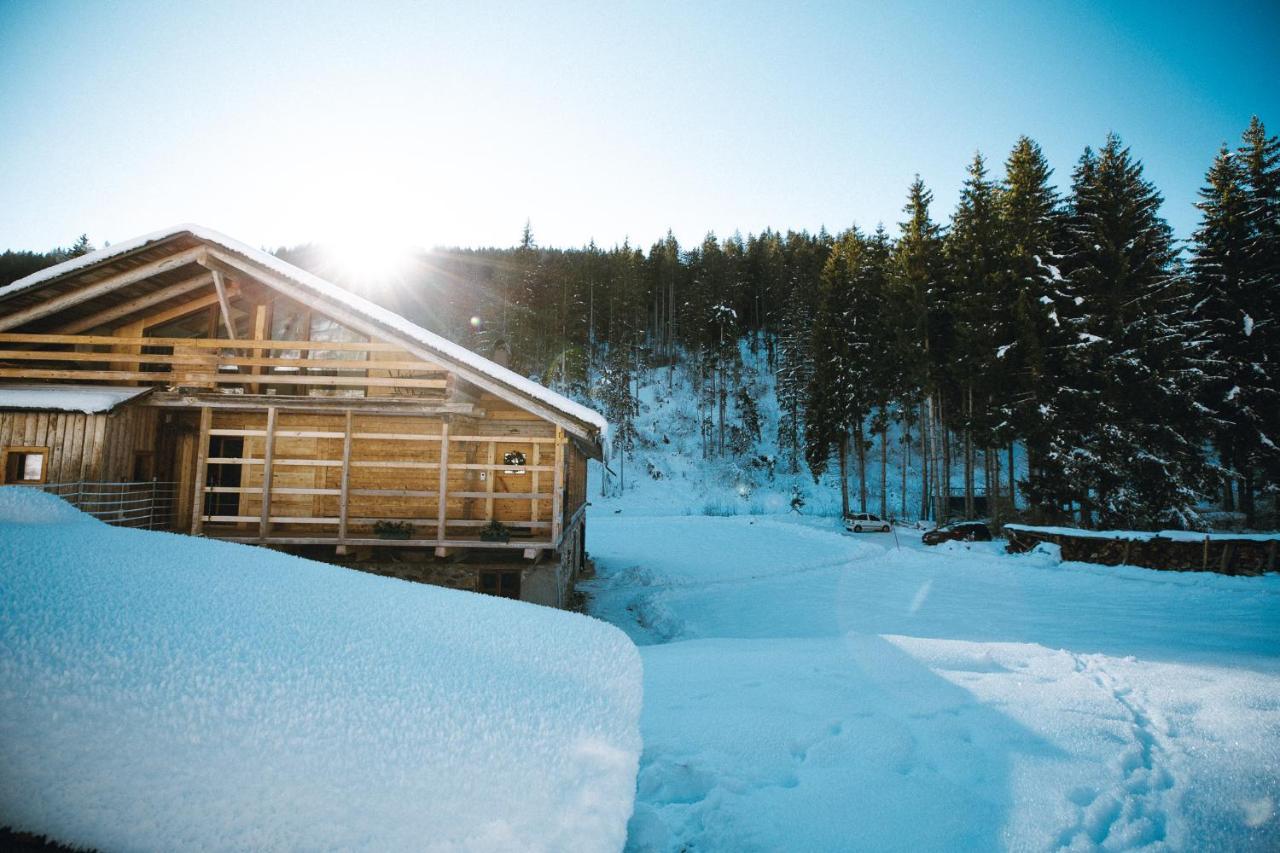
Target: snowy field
[(811, 690), (159, 692)]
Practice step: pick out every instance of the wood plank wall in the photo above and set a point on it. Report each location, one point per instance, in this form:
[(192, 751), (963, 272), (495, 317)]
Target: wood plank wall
[(83, 447), (388, 478)]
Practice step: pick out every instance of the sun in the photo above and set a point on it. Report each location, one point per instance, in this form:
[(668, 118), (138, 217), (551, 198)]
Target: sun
[(369, 261), (370, 256)]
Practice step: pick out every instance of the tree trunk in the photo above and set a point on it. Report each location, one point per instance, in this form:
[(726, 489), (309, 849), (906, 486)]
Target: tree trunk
[(937, 460), (986, 477), (884, 471), (993, 499), (723, 396), (906, 463), (862, 467), (1013, 481), (843, 449), (968, 456), (944, 474), (1246, 494), (925, 498)]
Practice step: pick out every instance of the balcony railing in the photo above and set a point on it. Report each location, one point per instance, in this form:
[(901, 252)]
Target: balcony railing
[(254, 365)]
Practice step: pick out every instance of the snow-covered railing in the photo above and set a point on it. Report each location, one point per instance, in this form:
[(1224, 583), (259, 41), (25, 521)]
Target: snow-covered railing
[(146, 504), (1177, 550)]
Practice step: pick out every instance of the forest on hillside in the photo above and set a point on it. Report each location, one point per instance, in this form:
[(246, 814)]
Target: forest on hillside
[(1140, 376)]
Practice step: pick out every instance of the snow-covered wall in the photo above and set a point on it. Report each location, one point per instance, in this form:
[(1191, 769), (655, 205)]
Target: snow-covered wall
[(165, 692)]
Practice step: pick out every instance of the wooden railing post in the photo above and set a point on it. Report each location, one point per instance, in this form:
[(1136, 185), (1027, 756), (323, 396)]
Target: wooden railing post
[(490, 478), (259, 333), (264, 521), (202, 465), (345, 488), (557, 491), (533, 487), (443, 492)]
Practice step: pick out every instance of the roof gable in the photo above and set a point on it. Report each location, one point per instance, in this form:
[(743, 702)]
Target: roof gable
[(218, 249)]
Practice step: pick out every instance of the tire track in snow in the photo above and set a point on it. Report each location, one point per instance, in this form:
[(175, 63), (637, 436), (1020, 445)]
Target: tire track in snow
[(1135, 810), (647, 610)]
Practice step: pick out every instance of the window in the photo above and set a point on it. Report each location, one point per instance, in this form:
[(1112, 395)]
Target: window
[(26, 464), (224, 475), (144, 466), (502, 584), (513, 457)]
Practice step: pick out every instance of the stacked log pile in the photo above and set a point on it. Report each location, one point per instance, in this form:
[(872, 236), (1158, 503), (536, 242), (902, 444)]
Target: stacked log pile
[(1180, 552)]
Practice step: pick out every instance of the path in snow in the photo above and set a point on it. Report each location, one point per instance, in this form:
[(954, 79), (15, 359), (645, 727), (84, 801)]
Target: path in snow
[(806, 689)]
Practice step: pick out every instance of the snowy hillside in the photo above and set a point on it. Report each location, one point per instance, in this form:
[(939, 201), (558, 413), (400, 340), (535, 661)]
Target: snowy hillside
[(669, 473), (159, 692), (807, 689)]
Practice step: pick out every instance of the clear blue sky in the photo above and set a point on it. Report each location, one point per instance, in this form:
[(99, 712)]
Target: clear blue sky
[(453, 124)]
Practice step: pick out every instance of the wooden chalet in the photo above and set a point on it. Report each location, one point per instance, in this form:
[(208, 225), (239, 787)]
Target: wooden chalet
[(258, 403)]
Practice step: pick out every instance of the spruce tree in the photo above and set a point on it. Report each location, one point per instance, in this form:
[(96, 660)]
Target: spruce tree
[(1261, 321), (1223, 301), (976, 262), (1125, 434), (1032, 334), (918, 274)]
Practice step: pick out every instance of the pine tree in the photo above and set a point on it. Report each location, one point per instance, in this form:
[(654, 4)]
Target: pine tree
[(1032, 222), (1125, 436), (923, 334), (840, 392), (1222, 303), (977, 269), (1261, 320), (620, 404)]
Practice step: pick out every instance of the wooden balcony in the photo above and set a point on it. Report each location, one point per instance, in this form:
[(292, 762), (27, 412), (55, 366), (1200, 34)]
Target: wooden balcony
[(368, 368), (364, 484)]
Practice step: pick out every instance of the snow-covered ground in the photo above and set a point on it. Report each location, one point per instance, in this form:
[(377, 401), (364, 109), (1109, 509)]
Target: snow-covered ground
[(159, 692), (807, 689)]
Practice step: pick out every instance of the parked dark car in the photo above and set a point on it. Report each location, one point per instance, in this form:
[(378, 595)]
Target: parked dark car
[(961, 531), (865, 521)]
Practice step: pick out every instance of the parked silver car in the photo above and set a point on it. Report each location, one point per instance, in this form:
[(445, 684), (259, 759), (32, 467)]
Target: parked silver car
[(865, 521)]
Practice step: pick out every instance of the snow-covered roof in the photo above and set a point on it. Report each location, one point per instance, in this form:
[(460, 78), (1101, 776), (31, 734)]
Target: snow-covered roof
[(89, 399), (165, 692), (395, 324)]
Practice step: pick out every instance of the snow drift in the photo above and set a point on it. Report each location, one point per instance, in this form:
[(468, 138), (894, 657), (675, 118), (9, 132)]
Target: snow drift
[(165, 692)]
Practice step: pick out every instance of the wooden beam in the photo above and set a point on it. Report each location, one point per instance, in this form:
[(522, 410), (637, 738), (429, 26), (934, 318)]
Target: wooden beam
[(124, 309), (346, 477), (202, 456), (490, 479), (557, 489), (442, 510), (197, 304), (210, 379), (246, 402), (533, 504), (98, 288), (268, 461), (194, 357), (261, 327), (210, 343), (221, 290)]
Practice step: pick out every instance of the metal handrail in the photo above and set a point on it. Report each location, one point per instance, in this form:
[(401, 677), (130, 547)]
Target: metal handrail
[(145, 504)]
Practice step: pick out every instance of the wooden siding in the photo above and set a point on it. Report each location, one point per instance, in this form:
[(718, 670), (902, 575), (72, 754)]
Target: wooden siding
[(388, 469), (84, 447)]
